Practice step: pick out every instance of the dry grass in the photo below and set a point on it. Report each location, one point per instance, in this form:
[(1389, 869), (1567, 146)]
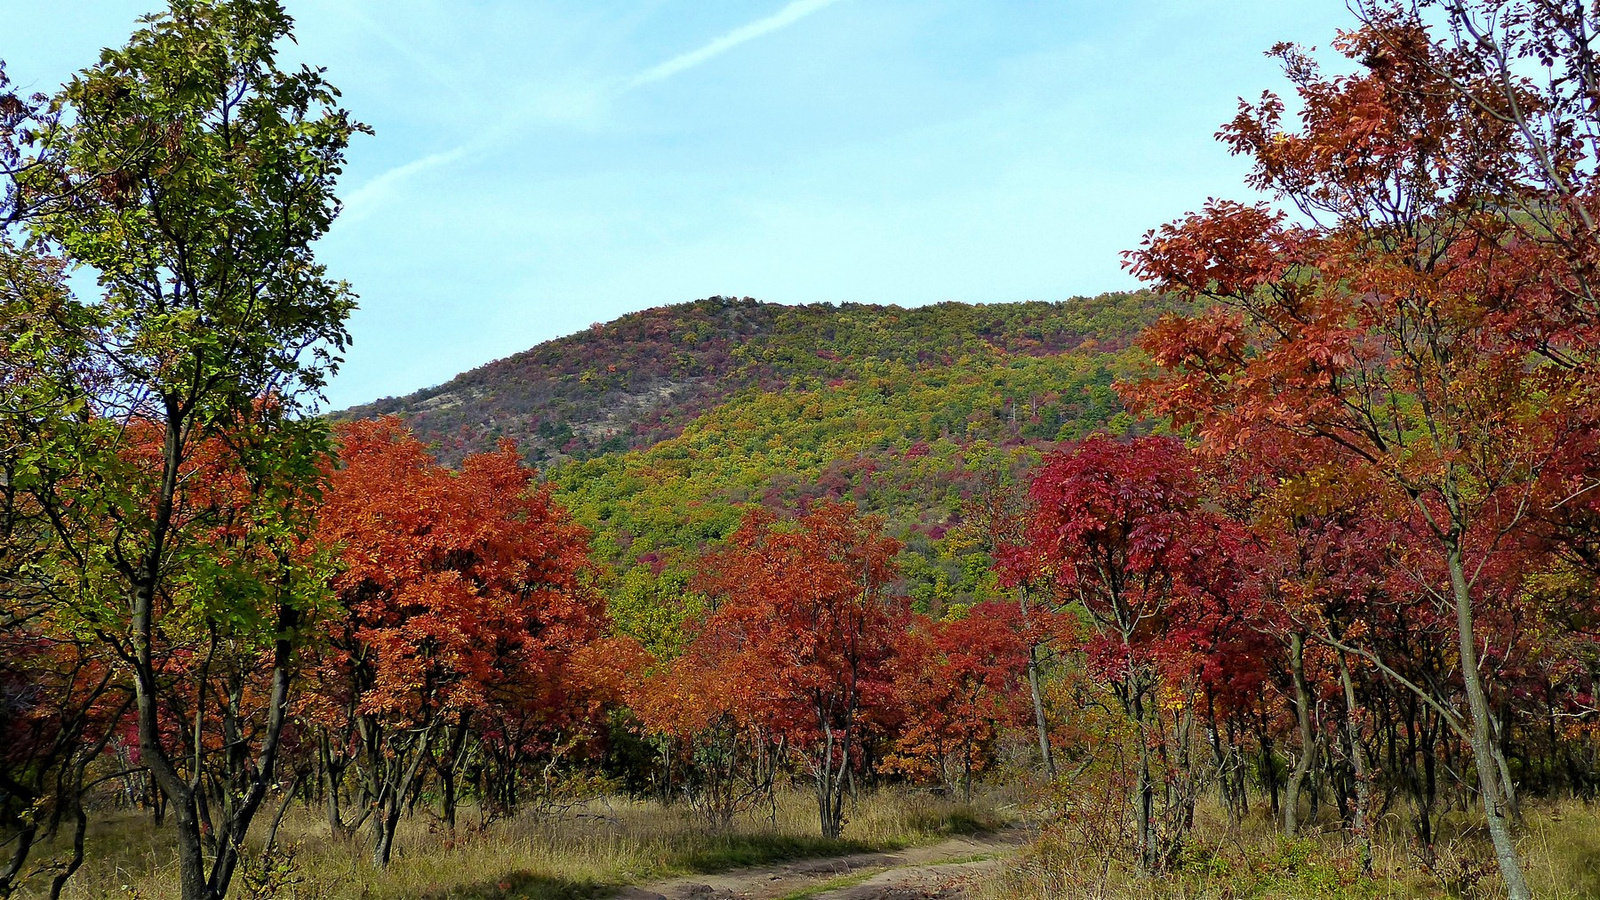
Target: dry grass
[(1560, 844), (581, 853), (588, 851)]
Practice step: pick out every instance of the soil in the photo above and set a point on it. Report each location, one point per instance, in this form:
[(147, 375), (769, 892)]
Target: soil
[(933, 872)]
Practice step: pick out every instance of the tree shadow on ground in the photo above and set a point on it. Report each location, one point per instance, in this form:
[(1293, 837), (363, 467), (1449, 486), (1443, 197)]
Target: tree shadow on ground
[(520, 886), (733, 851)]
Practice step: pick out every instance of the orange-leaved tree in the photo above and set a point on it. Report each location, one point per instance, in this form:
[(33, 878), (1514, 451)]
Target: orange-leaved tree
[(462, 595), (806, 628), (957, 689), (716, 748)]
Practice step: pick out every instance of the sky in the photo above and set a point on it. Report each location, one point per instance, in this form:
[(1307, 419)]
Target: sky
[(539, 166)]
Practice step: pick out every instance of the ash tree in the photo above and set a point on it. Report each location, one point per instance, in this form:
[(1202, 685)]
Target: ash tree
[(174, 462)]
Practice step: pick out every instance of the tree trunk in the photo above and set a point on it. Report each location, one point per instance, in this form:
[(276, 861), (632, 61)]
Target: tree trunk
[(1308, 738), (447, 770), (1143, 789), (830, 783), (1045, 752), (1491, 789), (1038, 713), (1358, 760), (333, 780), (185, 815), (401, 777)]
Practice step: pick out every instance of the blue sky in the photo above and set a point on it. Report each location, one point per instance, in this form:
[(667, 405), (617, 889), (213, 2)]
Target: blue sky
[(539, 166)]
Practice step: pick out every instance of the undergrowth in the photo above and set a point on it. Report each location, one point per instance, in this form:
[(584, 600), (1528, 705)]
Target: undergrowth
[(1560, 843)]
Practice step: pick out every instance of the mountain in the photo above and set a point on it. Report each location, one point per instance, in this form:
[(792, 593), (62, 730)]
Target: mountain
[(658, 429), (640, 379)]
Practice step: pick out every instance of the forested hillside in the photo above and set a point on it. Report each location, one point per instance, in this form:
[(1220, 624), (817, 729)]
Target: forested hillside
[(658, 429), (641, 379)]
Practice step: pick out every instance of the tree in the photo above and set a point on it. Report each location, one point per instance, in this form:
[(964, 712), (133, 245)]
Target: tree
[(716, 748), (1528, 70), (1118, 533), (59, 708), (1386, 327), (1327, 546), (192, 175), (998, 519), (956, 684), (463, 597), (807, 627)]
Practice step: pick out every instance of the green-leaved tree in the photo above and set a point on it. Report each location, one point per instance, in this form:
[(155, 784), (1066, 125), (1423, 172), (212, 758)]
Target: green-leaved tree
[(192, 175)]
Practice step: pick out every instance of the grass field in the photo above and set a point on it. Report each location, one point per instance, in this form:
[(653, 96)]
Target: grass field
[(592, 850), (585, 852)]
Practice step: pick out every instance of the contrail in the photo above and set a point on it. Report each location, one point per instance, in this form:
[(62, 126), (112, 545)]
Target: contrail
[(790, 14), (375, 189)]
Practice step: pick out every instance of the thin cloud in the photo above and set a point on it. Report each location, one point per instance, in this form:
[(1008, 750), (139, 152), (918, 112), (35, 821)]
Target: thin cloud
[(783, 18), (363, 198), (374, 192)]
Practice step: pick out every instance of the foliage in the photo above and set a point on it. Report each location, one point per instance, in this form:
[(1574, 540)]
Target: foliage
[(634, 382), (466, 602), (1420, 327), (956, 692), (913, 445), (191, 175)]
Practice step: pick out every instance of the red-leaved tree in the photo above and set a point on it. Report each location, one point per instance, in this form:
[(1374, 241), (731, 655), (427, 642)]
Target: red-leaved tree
[(1396, 323), (1119, 533)]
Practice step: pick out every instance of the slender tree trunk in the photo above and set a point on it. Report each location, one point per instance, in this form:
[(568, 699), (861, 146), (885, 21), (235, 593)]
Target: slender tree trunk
[(80, 826), (24, 838), (255, 779), (1223, 761), (447, 769), (392, 801), (271, 838), (1358, 760), (1039, 723), (1143, 787), (1267, 764), (1491, 788), (830, 783), (333, 779), (1308, 738), (1045, 751), (178, 794)]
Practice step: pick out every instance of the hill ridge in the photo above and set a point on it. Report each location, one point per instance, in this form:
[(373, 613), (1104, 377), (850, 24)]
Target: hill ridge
[(630, 383)]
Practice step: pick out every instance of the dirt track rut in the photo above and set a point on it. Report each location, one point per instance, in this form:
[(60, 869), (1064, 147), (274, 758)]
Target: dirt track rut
[(919, 873)]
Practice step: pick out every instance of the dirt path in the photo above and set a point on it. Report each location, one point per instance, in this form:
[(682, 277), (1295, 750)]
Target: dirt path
[(920, 872)]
